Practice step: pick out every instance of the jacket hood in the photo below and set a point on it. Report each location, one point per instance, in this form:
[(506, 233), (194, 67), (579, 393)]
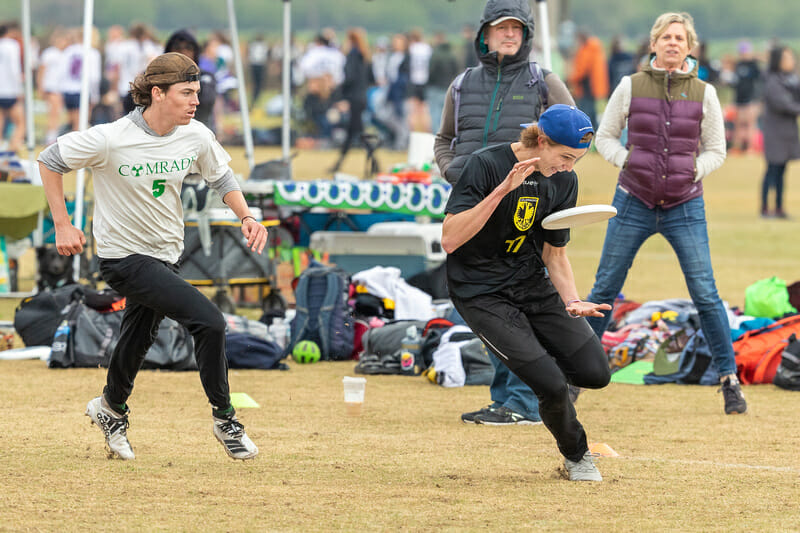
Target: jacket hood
[(494, 9)]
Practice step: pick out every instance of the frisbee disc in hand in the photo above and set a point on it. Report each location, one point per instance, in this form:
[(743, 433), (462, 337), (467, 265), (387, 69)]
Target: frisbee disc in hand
[(578, 216)]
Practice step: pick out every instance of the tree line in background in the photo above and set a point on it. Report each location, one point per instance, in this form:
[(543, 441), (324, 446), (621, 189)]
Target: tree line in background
[(715, 19)]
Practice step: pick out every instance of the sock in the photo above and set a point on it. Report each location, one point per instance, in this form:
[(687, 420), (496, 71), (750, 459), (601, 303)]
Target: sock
[(223, 413)]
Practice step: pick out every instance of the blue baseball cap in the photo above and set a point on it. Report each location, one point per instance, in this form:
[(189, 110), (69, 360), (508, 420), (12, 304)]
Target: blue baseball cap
[(565, 124)]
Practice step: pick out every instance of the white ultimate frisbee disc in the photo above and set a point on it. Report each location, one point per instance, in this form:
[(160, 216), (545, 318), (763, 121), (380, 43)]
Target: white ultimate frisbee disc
[(578, 216)]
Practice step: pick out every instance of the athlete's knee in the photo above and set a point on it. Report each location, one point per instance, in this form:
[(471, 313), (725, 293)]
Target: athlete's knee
[(545, 381), (592, 365)]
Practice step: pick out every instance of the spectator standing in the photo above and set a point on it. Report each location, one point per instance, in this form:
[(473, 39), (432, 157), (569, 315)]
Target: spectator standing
[(48, 84), (397, 74), (419, 57), (357, 79), (11, 98), (781, 109), (469, 57), (621, 62), (675, 139), (503, 42), (113, 57), (443, 69), (707, 69), (73, 62), (746, 97), (588, 78), (183, 42), (257, 58), (140, 47)]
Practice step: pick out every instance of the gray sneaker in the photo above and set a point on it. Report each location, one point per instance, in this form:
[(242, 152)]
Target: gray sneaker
[(583, 470), (731, 389), (113, 425), (230, 432)]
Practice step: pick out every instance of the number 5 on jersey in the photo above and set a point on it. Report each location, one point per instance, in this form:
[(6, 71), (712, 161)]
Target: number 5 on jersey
[(159, 186)]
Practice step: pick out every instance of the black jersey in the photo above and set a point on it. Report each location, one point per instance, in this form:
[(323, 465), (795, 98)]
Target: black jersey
[(507, 251)]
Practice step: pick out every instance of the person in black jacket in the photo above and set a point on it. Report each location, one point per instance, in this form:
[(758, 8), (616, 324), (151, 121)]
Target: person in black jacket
[(781, 109), (357, 79), (495, 97), (183, 42)]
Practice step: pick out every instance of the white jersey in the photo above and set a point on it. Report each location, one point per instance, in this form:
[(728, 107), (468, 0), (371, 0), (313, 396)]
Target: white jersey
[(51, 63), (419, 58), (133, 57), (72, 63), (137, 180), (10, 69)]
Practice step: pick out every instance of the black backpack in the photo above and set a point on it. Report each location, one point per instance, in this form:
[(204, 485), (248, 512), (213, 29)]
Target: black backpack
[(788, 374), (322, 313)]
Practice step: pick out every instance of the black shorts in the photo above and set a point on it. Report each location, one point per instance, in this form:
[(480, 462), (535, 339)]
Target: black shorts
[(520, 326), (416, 91), (72, 100), (7, 103)]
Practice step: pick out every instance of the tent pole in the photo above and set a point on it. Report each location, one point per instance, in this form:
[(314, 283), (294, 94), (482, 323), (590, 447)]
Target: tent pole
[(83, 122), (544, 25), (38, 235), (237, 59), (286, 77)]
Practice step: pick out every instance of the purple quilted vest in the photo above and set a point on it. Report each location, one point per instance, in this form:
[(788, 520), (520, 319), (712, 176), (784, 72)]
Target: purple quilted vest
[(663, 137)]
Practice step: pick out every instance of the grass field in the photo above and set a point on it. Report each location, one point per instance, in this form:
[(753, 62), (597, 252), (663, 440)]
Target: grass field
[(408, 463)]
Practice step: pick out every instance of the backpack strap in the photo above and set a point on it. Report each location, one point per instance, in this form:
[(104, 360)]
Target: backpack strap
[(538, 76), (457, 103)]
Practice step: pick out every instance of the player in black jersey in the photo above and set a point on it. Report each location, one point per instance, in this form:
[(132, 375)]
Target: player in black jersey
[(511, 280)]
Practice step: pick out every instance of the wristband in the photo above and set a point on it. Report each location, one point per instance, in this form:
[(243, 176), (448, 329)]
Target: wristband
[(249, 216)]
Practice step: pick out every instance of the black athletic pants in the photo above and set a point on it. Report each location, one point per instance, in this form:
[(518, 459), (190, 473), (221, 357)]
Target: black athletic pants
[(532, 334), (154, 290)]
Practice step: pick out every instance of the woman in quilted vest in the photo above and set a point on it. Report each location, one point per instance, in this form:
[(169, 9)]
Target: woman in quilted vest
[(675, 138)]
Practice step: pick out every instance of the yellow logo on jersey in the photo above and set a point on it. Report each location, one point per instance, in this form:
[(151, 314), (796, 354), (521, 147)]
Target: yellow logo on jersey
[(525, 212)]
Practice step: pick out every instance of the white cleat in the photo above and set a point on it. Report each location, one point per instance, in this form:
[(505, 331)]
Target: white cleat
[(230, 433), (113, 425)]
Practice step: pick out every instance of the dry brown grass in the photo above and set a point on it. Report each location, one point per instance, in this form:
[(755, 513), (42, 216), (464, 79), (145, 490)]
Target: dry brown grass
[(408, 463)]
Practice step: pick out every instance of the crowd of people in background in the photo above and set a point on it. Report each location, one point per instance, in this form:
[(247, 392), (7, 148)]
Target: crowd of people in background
[(347, 83)]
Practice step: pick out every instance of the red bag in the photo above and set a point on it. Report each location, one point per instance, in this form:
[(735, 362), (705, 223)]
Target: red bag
[(758, 352)]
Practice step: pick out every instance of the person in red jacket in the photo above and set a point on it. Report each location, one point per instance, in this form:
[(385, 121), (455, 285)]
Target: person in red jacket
[(588, 80)]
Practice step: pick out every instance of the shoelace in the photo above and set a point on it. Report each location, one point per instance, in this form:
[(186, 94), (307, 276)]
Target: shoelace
[(586, 464), (113, 424), (232, 427)]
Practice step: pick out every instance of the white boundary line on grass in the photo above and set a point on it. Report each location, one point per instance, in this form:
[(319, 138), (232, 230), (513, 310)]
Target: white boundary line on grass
[(712, 463)]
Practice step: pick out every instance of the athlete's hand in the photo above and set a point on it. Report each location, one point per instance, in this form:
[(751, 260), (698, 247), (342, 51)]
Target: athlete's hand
[(255, 233), (580, 308), (69, 240), (520, 172)]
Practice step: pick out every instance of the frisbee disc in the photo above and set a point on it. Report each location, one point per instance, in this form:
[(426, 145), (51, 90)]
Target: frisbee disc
[(578, 216)]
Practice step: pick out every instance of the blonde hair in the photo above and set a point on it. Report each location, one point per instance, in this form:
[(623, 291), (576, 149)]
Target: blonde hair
[(663, 21), (530, 137)]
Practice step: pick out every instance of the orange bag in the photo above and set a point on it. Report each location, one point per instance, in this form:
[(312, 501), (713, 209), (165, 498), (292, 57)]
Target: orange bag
[(758, 352)]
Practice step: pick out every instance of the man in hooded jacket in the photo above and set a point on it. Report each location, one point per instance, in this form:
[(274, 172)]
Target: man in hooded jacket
[(494, 98)]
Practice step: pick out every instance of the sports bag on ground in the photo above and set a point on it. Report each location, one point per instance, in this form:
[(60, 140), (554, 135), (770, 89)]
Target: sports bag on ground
[(322, 312), (788, 374), (758, 352)]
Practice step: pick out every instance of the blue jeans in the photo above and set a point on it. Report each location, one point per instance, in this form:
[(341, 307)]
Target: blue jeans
[(507, 390), (684, 227)]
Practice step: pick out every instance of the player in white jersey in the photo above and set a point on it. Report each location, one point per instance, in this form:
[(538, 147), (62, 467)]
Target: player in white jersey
[(11, 100), (49, 78), (138, 165)]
